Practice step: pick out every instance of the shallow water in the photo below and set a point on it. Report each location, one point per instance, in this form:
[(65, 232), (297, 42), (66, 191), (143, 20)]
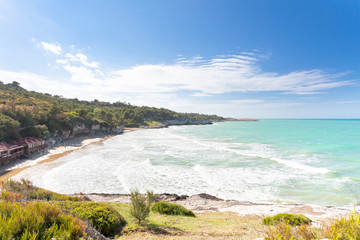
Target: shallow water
[(291, 161)]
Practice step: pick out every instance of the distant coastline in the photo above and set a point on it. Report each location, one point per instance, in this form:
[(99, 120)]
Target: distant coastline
[(242, 120)]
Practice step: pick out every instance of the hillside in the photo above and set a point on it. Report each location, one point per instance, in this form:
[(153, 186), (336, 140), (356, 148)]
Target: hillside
[(29, 113)]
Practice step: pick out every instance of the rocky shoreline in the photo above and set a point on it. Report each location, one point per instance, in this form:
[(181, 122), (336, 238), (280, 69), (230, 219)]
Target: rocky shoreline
[(203, 202)]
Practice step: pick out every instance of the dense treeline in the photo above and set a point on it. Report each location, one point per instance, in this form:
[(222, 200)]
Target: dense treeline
[(29, 113)]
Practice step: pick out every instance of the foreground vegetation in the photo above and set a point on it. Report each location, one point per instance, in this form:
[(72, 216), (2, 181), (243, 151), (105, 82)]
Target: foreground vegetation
[(291, 219), (207, 225), (29, 113), (171, 209), (37, 220), (28, 212), (35, 213)]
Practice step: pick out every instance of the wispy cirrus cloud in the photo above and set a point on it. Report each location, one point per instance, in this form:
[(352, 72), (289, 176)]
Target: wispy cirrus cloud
[(160, 84), (53, 48), (78, 58), (234, 73), (348, 102), (219, 75)]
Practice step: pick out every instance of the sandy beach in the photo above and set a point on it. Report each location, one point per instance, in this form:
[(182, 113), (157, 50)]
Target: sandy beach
[(49, 154), (198, 203)]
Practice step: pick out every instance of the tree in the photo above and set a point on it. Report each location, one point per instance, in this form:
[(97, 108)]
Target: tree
[(8, 128), (140, 206), (15, 84)]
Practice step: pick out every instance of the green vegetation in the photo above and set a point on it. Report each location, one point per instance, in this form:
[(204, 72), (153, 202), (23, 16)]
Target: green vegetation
[(344, 228), (37, 220), (284, 231), (140, 206), (29, 113), (102, 217), (153, 124), (291, 219), (30, 192), (171, 209), (11, 197), (54, 215), (207, 225)]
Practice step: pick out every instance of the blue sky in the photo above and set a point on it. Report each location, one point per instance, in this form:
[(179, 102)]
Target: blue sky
[(241, 58)]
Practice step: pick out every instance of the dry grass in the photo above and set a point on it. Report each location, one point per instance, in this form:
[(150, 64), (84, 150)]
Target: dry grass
[(209, 225)]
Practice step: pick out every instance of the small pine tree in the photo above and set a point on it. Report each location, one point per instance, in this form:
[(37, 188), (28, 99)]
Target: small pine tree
[(140, 206)]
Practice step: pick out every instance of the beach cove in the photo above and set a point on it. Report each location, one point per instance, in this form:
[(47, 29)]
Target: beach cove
[(79, 167)]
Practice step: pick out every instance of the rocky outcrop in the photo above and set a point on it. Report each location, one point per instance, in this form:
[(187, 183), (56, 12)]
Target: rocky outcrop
[(80, 128)]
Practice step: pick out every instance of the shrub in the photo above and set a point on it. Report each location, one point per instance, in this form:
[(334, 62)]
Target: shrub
[(171, 209), (140, 206), (30, 192), (343, 228), (292, 219), (103, 218), (284, 231), (37, 220), (10, 196)]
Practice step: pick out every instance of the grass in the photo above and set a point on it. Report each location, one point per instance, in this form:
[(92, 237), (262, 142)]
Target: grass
[(209, 225), (56, 216)]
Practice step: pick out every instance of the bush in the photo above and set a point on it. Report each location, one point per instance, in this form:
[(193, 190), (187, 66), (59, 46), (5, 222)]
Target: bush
[(37, 220), (11, 197), (284, 231), (344, 228), (171, 209), (30, 192), (292, 219), (103, 218), (140, 206)]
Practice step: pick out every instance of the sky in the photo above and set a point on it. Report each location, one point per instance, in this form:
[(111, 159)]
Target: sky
[(234, 58)]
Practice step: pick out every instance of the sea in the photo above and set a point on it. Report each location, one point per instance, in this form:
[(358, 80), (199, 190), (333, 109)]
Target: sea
[(268, 161)]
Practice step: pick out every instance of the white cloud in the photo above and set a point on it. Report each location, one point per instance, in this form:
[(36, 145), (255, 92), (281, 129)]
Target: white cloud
[(81, 74), (348, 102), (247, 101), (157, 84), (81, 58), (201, 95), (54, 48), (236, 73)]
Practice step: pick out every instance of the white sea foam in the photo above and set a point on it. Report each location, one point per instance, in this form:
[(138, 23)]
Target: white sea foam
[(177, 161)]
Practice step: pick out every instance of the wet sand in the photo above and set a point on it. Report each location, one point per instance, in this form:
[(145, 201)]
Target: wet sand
[(198, 203), (48, 155)]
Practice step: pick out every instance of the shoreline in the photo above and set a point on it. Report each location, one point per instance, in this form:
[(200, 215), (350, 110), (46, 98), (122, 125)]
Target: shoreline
[(51, 154), (199, 203), (203, 202)]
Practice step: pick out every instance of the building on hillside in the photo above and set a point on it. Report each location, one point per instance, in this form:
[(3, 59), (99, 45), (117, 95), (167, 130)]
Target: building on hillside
[(31, 144), (10, 151)]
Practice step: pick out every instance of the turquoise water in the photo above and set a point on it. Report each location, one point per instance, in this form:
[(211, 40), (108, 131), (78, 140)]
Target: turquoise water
[(288, 161)]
